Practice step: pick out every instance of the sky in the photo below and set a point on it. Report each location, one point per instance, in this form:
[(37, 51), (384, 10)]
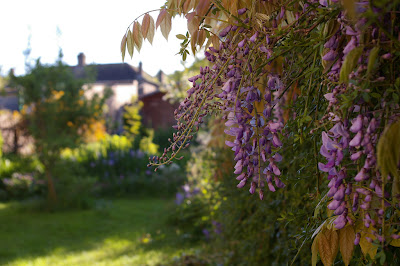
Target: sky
[(94, 28)]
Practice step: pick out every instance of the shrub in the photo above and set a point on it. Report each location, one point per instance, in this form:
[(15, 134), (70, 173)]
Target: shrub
[(121, 170), (21, 186)]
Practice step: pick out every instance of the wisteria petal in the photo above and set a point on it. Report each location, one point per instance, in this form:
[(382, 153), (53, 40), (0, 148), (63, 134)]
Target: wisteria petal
[(330, 56), (242, 183), (276, 170), (277, 157), (241, 176), (361, 176), (356, 156), (334, 205), (340, 222), (339, 195), (271, 187), (357, 124), (350, 45), (356, 141), (276, 141), (278, 182)]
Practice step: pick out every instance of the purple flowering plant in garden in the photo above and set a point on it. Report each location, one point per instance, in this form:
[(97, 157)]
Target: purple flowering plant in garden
[(326, 70)]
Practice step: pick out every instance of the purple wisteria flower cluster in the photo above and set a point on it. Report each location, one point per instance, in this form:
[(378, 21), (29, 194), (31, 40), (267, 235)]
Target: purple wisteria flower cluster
[(253, 121), (356, 187)]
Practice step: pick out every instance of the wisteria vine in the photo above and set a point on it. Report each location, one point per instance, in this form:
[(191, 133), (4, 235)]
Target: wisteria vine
[(339, 59)]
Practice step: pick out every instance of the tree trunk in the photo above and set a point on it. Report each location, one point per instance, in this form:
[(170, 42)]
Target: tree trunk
[(51, 190), (15, 147)]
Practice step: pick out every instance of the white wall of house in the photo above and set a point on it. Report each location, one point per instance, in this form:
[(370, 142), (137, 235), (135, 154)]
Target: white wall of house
[(148, 88), (123, 93)]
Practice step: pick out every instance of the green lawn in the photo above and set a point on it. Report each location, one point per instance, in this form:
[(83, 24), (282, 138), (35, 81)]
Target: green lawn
[(129, 232)]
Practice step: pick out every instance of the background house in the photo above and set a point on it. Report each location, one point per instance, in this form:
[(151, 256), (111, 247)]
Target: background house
[(126, 82)]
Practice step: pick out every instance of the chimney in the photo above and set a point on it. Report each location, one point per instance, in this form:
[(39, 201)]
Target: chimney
[(81, 59), (160, 76), (140, 68)]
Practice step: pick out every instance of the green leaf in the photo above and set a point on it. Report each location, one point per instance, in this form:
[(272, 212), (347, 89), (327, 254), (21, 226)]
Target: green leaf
[(372, 58), (383, 258), (395, 97), (366, 97), (388, 153), (397, 83), (319, 206), (318, 229), (181, 36), (307, 118), (350, 63), (376, 95)]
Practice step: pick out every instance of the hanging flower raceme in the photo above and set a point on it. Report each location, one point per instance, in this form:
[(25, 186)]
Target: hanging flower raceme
[(356, 187)]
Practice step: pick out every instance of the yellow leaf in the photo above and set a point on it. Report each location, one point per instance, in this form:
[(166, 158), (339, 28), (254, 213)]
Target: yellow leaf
[(161, 17), (350, 7), (328, 246), (193, 41), (137, 35), (346, 243), (314, 251), (172, 4), (367, 247), (150, 34), (395, 242), (145, 25), (215, 42), (123, 45), (201, 37), (166, 26), (130, 43)]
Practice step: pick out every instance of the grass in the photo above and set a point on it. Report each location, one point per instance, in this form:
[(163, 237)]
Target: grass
[(121, 232)]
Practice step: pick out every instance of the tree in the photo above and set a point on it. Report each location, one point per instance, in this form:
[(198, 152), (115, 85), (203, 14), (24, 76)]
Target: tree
[(57, 112), (285, 73)]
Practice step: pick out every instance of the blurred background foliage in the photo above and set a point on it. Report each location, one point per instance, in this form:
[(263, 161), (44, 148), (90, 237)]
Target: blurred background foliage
[(208, 210)]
